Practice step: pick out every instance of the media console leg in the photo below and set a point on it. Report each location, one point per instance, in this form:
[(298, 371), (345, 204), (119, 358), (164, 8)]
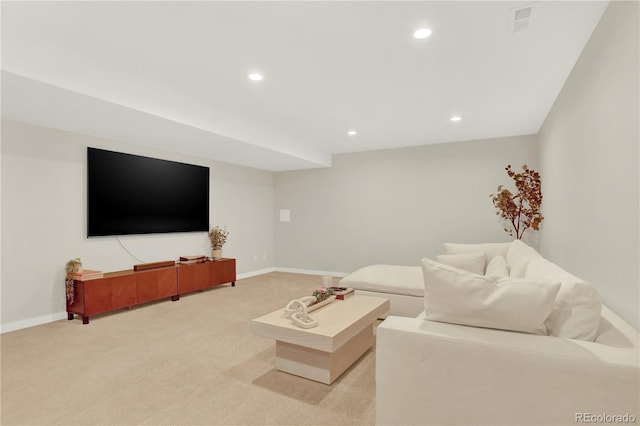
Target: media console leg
[(233, 283), (69, 316), (175, 298), (85, 320)]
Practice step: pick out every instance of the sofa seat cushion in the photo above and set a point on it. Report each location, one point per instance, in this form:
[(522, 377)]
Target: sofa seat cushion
[(456, 296), (577, 309), (391, 279)]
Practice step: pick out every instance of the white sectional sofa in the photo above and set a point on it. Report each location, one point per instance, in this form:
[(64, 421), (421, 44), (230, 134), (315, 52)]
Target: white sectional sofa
[(460, 362), (432, 373)]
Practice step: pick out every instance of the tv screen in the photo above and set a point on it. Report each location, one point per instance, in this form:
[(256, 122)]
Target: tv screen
[(131, 194)]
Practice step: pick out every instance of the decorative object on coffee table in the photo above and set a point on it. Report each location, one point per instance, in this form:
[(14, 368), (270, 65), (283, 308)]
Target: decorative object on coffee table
[(217, 238), (342, 292), (319, 305), (297, 310), (521, 210), (322, 293)]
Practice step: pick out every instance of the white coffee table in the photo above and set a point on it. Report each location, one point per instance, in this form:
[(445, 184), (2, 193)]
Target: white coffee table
[(344, 333)]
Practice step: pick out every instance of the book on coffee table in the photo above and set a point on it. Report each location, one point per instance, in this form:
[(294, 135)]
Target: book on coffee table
[(341, 292)]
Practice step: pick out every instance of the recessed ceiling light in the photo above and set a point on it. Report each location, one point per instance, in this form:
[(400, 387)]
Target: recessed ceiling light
[(455, 118), (255, 77), (422, 33), (352, 132)]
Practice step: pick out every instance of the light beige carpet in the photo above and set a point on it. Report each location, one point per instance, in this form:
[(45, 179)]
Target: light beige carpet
[(194, 361)]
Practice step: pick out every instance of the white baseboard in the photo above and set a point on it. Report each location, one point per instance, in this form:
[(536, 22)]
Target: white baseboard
[(311, 272), (290, 270), (31, 322), (255, 273)]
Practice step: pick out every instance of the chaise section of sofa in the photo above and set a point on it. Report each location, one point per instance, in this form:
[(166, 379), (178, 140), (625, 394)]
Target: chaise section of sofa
[(432, 373), (402, 285)]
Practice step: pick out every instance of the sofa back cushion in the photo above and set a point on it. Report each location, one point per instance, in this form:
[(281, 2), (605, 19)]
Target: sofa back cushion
[(490, 250), (497, 268), (457, 296), (576, 311), (472, 262), (518, 257)]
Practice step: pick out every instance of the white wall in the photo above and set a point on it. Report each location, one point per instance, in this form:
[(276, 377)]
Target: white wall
[(394, 206), (44, 225), (589, 160)]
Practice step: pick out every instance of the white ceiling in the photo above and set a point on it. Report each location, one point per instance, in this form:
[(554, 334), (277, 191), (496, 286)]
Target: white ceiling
[(174, 74)]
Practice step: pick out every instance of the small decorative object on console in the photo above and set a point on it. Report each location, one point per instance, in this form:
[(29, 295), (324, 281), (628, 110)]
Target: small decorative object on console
[(73, 266), (87, 274), (198, 258), (154, 265), (217, 237)]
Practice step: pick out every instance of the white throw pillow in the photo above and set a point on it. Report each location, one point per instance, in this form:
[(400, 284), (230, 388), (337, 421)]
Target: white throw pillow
[(577, 309), (472, 262), (456, 296), (497, 268), (490, 250), (518, 257)]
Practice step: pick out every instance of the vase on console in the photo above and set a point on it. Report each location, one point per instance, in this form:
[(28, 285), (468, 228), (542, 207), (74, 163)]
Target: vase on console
[(217, 238)]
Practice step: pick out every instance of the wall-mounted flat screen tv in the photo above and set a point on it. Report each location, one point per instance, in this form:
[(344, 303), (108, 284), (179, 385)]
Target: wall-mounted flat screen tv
[(131, 194)]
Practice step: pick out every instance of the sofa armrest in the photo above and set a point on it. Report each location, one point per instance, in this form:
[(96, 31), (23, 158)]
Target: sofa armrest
[(436, 373)]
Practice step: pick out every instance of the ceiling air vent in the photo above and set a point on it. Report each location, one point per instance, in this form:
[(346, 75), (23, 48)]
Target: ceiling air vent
[(519, 18)]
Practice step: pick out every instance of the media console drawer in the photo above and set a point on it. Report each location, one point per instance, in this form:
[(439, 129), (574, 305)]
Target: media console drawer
[(198, 276), (193, 277)]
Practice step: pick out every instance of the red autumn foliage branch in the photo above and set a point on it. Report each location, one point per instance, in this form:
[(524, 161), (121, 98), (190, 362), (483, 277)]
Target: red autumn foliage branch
[(522, 209)]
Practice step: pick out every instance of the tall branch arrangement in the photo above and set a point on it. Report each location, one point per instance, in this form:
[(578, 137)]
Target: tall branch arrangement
[(522, 209)]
